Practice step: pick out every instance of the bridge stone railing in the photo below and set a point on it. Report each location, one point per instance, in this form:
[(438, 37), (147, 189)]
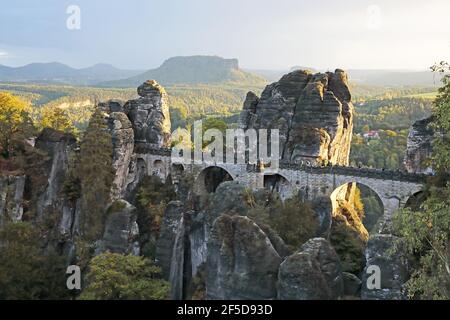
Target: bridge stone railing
[(359, 172), (382, 174)]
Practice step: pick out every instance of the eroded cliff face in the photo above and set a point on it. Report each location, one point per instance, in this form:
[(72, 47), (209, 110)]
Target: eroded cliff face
[(58, 146), (394, 268), (242, 262), (242, 259), (149, 115), (313, 113), (419, 147), (38, 194), (312, 273), (122, 136), (121, 229), (11, 198), (344, 211)]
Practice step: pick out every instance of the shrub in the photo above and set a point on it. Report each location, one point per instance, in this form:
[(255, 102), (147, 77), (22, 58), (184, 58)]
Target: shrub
[(114, 276), (348, 245), (293, 220), (152, 198), (25, 272)]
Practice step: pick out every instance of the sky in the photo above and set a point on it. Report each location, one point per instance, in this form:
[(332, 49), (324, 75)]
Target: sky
[(262, 34)]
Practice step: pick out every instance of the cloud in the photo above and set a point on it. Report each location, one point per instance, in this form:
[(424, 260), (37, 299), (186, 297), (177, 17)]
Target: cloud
[(3, 54)]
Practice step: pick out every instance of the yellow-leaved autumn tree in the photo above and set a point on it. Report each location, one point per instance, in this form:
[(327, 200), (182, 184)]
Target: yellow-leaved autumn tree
[(56, 118), (15, 121)]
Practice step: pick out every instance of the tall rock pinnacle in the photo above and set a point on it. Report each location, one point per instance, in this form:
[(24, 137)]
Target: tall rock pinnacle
[(149, 115), (313, 112)]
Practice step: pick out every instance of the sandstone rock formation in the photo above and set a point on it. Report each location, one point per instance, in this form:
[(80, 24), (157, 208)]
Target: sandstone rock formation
[(241, 263), (324, 212), (229, 198), (343, 200), (243, 259), (122, 136), (313, 113), (11, 198), (314, 272), (352, 284), (121, 229), (111, 106), (393, 269), (149, 115), (58, 147), (419, 146), (167, 236), (180, 265)]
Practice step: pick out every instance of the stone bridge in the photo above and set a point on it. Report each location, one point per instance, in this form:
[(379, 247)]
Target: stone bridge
[(393, 188)]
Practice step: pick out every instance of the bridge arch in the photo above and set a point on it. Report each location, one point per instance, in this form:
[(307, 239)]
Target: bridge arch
[(355, 194), (177, 169), (210, 178), (278, 183), (139, 167), (415, 200), (159, 169)]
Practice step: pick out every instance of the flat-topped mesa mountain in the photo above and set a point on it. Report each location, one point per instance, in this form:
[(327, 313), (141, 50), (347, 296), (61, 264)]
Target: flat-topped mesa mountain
[(313, 113), (192, 70)]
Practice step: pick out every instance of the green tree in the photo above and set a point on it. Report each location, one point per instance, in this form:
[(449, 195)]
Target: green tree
[(152, 198), (441, 121), (213, 123), (293, 220), (25, 272), (425, 232), (366, 128), (114, 276), (14, 121), (56, 118), (178, 116), (96, 174)]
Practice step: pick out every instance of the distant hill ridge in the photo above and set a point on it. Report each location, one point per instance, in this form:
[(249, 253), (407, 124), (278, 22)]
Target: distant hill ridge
[(193, 70), (55, 72)]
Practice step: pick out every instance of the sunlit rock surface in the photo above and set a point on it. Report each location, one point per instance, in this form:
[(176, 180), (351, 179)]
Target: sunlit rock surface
[(313, 113)]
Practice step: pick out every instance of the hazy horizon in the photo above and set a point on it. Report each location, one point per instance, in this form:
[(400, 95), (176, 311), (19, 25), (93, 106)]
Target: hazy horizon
[(379, 35), (240, 66)]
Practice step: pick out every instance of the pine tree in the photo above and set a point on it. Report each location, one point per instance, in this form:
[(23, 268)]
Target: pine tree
[(96, 174)]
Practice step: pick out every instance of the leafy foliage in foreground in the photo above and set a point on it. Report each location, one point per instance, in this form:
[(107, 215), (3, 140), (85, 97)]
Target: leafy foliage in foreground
[(25, 271), (114, 276), (15, 121), (293, 220), (426, 234), (426, 230)]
